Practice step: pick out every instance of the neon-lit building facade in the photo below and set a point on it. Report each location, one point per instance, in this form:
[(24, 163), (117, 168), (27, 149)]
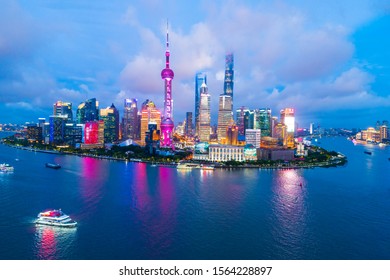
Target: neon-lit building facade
[(287, 118), (167, 124)]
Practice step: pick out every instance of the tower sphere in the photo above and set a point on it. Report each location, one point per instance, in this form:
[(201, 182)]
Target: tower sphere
[(167, 73)]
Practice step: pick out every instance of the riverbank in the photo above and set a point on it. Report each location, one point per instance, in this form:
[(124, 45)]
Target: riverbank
[(337, 159)]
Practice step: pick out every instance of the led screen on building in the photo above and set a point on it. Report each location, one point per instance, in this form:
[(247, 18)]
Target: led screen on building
[(250, 154), (202, 148), (290, 123)]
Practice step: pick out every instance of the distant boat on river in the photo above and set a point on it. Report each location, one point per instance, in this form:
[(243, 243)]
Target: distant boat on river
[(53, 165)]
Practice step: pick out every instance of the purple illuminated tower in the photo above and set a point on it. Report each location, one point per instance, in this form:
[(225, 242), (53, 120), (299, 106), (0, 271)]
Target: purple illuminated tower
[(167, 123)]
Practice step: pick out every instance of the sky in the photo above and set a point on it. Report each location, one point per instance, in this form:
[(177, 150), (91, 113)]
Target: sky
[(330, 60)]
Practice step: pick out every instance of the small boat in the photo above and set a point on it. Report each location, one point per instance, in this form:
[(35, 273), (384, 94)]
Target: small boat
[(367, 152), (53, 165), (6, 168), (188, 165), (55, 218), (207, 167)]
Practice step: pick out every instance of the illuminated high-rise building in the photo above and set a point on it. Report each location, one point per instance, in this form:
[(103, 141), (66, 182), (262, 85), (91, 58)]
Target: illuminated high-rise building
[(200, 79), (229, 77), (149, 114), (253, 137), (110, 116), (241, 121), (88, 111), (225, 117), (262, 120), (287, 118), (57, 129), (232, 135), (204, 114), (188, 129), (167, 124), (383, 132), (61, 108), (130, 128)]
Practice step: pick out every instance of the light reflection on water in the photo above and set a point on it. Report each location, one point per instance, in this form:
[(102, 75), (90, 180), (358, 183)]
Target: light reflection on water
[(135, 211), (289, 209), (53, 242)]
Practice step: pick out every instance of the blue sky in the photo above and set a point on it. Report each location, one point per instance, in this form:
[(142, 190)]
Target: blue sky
[(329, 60)]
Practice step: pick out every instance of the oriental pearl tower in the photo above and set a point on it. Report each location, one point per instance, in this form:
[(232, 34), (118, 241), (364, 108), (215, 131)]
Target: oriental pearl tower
[(167, 122)]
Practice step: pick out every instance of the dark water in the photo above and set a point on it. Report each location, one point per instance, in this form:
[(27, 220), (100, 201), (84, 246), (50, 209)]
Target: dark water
[(136, 211)]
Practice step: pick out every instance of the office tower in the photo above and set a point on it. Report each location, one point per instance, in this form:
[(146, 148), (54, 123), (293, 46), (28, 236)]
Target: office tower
[(280, 133), (73, 134), (167, 124), (383, 132), (152, 138), (130, 126), (232, 135), (204, 114), (41, 124), (110, 116), (229, 77), (262, 120), (188, 128), (63, 109), (225, 117), (241, 121), (200, 79), (287, 118), (274, 121), (57, 129), (94, 132), (253, 137), (88, 111), (34, 133), (149, 114)]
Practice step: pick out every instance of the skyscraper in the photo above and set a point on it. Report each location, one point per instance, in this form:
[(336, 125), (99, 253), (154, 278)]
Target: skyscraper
[(200, 79), (167, 124), (130, 119), (188, 128), (287, 118), (149, 114), (88, 111), (204, 114), (225, 116), (61, 108), (262, 120), (110, 116), (225, 111), (229, 77), (240, 121)]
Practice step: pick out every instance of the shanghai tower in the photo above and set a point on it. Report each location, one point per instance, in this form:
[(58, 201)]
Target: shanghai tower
[(167, 124)]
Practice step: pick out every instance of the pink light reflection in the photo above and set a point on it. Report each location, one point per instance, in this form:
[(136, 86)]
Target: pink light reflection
[(94, 174), (289, 202), (47, 244)]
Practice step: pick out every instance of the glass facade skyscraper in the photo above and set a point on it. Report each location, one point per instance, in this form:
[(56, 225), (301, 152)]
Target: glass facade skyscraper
[(110, 116), (225, 117), (61, 108), (88, 111), (229, 77), (204, 114), (200, 79), (130, 119)]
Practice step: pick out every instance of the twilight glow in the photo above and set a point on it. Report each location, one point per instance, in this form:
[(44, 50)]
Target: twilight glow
[(329, 60)]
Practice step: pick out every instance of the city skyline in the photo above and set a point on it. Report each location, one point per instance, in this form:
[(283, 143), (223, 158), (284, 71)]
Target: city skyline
[(328, 61)]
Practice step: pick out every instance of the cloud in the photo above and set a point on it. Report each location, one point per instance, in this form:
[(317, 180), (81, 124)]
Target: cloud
[(295, 53)]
